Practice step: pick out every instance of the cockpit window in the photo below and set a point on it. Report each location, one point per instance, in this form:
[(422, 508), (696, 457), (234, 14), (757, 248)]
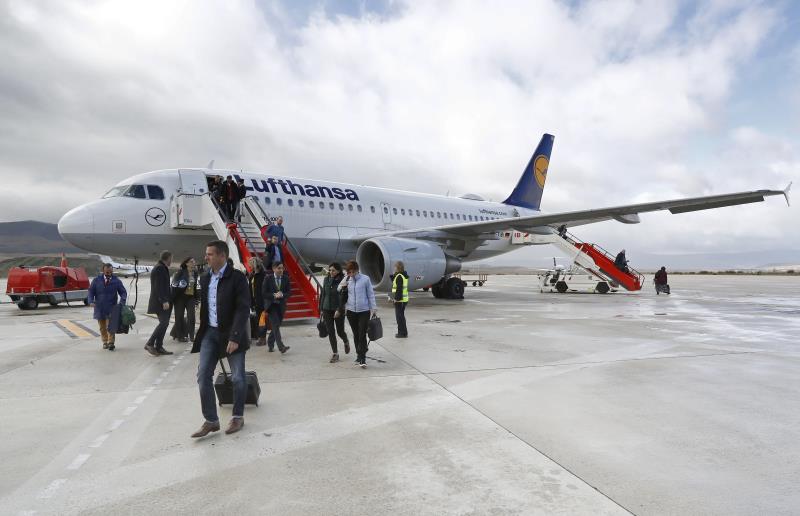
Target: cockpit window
[(115, 192), (155, 192), (135, 191)]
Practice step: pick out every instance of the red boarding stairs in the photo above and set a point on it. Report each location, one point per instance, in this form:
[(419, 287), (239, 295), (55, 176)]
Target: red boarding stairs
[(631, 280), (303, 301)]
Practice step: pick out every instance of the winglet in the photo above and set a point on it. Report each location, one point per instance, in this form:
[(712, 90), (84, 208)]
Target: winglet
[(210, 165), (786, 193)]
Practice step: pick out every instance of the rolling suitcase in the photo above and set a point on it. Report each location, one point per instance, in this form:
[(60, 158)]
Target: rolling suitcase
[(223, 386)]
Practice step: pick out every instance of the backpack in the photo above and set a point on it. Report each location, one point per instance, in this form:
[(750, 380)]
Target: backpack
[(127, 317)]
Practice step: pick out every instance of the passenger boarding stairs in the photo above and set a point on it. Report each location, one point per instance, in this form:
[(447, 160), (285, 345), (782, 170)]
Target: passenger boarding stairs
[(591, 257), (245, 242)]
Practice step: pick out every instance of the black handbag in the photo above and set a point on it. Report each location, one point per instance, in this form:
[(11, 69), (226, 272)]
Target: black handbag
[(322, 328), (375, 328)]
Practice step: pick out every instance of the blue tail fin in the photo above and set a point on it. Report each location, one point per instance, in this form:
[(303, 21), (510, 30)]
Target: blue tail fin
[(528, 192)]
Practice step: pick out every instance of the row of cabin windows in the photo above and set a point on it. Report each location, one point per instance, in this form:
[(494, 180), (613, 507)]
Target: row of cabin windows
[(420, 213), (437, 215)]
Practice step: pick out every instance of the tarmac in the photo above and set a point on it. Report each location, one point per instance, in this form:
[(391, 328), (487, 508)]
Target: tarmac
[(508, 402)]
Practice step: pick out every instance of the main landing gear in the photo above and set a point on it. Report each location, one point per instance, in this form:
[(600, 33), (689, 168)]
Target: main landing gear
[(448, 288)]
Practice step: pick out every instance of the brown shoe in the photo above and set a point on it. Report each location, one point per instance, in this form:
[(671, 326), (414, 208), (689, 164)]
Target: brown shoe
[(206, 429), (262, 341), (105, 345), (235, 425), (150, 349)]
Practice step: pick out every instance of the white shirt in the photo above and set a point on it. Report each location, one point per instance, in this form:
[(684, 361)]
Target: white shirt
[(212, 295)]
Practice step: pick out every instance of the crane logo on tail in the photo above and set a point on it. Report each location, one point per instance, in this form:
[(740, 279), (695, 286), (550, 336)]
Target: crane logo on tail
[(540, 169)]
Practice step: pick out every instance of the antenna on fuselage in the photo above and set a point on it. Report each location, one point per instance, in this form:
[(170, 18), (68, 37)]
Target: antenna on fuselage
[(210, 165)]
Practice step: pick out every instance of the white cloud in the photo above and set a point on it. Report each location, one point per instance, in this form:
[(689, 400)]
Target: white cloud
[(444, 96)]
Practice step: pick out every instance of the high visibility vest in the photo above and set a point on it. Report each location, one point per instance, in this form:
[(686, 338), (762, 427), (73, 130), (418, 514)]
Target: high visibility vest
[(405, 287)]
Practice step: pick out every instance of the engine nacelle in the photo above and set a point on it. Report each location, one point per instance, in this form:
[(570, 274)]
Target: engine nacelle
[(425, 262)]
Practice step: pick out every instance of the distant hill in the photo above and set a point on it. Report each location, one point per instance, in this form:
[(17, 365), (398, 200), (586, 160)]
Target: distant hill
[(29, 237)]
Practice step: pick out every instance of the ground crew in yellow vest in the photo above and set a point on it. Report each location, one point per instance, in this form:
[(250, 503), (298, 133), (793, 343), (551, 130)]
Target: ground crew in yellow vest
[(399, 297)]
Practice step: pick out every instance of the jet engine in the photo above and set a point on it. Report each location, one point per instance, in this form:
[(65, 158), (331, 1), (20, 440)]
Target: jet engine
[(426, 263)]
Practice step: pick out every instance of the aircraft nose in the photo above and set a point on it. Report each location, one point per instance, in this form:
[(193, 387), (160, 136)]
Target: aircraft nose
[(77, 226)]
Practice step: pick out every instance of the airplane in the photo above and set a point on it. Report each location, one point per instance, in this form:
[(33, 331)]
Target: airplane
[(125, 269), (329, 221)]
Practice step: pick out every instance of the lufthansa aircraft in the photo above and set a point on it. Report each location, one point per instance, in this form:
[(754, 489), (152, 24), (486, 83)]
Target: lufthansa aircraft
[(329, 221)]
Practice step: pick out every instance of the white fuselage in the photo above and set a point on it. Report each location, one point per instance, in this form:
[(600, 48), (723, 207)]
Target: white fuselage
[(320, 217)]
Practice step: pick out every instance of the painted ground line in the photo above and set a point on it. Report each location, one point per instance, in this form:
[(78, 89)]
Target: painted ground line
[(164, 374), (139, 400), (50, 490), (91, 331), (116, 424), (79, 461), (65, 330), (149, 389), (99, 441), (157, 381), (128, 411)]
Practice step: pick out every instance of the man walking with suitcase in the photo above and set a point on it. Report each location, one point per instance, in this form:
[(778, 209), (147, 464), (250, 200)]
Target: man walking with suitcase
[(224, 320)]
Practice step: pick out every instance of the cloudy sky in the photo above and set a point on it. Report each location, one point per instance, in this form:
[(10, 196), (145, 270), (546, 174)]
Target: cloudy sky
[(648, 100)]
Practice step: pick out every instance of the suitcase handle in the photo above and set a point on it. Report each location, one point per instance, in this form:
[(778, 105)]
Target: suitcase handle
[(225, 373)]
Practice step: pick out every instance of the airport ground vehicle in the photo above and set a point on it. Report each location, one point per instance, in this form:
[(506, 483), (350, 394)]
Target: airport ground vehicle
[(574, 279), (28, 287)]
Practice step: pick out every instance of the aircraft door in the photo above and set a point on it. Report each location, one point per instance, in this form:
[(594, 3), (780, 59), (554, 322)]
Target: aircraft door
[(193, 181), (386, 213)]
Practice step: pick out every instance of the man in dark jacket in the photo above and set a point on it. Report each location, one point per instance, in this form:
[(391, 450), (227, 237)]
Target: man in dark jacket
[(160, 304), (660, 279), (272, 254), (224, 313), (231, 190), (103, 294), (276, 293), (399, 297)]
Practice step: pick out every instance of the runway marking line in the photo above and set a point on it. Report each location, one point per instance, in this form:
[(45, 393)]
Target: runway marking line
[(99, 441), (116, 424), (128, 411), (74, 329), (79, 461), (51, 489), (91, 331)]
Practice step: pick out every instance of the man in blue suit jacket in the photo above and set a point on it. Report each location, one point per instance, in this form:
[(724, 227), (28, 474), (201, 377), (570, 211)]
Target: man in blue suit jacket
[(104, 293), (276, 290)]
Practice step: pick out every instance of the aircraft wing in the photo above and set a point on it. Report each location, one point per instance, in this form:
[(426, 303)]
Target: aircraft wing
[(625, 213)]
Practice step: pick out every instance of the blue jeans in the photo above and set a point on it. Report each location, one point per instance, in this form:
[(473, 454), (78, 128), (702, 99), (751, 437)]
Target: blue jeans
[(205, 377)]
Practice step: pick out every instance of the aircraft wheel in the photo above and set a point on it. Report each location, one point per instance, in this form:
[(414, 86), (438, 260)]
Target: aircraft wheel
[(602, 287), (480, 283), (561, 287), (454, 288), (437, 291), (425, 289), (474, 283)]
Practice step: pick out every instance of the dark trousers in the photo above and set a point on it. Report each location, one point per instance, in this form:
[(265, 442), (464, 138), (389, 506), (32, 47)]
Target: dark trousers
[(358, 324), (209, 357), (179, 326), (334, 323), (157, 338), (191, 304), (275, 316), (400, 315)]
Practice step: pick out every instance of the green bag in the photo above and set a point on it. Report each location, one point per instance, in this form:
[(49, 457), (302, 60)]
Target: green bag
[(127, 317)]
